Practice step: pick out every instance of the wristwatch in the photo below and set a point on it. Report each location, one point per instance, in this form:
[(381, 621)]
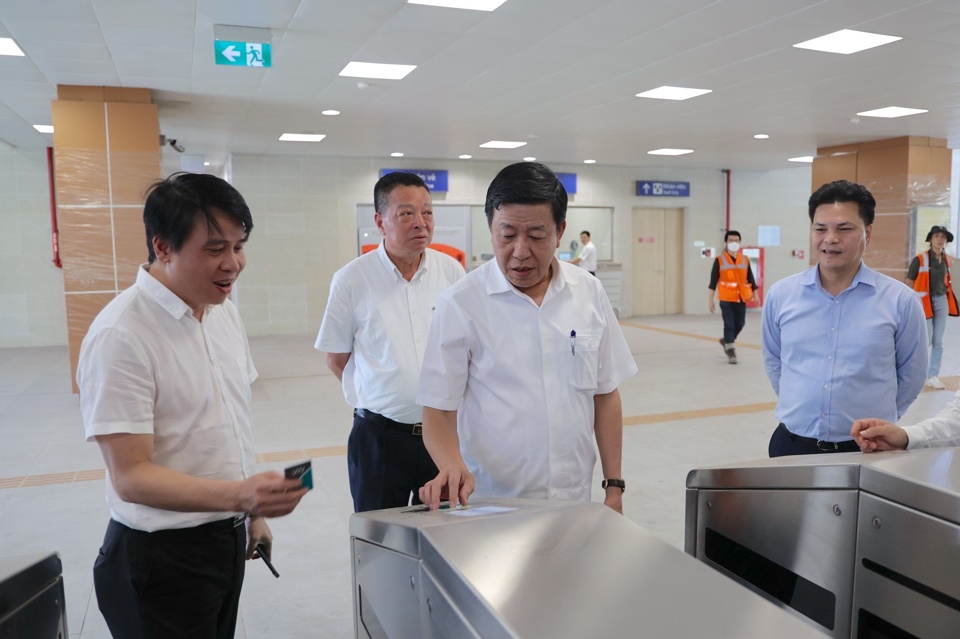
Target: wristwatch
[(616, 483)]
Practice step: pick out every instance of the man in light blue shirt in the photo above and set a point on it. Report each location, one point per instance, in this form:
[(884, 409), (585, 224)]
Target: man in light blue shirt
[(840, 340)]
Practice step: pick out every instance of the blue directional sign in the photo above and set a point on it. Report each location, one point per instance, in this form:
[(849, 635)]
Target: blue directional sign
[(435, 180), (663, 189), (242, 54), (569, 182)]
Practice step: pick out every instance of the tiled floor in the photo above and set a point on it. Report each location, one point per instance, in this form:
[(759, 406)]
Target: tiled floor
[(687, 408)]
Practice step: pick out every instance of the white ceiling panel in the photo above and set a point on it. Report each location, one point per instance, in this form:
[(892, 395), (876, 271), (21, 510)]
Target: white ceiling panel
[(560, 74)]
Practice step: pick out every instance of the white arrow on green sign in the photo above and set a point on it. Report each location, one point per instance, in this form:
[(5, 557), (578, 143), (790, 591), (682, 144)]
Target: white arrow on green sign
[(242, 54)]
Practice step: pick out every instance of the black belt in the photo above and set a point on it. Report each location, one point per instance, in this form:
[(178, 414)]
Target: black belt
[(380, 420), (233, 522), (848, 446)]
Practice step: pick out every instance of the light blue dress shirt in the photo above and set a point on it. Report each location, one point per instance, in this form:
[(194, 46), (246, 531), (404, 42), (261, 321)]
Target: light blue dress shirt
[(835, 359)]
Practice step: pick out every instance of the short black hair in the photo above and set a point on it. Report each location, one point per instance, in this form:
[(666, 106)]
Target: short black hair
[(385, 186), (726, 236), (527, 183), (587, 233), (174, 204), (841, 191)]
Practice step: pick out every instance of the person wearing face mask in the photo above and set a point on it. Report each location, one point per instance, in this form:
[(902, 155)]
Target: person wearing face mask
[(733, 278), (929, 276), (840, 341)]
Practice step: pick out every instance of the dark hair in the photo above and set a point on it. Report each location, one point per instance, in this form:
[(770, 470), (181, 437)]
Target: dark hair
[(527, 183), (843, 191), (174, 204), (385, 186), (726, 236), (587, 233)]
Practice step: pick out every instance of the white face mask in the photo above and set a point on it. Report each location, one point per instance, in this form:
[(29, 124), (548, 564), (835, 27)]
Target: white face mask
[(733, 247)]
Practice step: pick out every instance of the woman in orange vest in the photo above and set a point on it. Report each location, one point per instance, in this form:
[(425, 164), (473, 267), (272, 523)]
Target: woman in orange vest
[(929, 276), (733, 278)]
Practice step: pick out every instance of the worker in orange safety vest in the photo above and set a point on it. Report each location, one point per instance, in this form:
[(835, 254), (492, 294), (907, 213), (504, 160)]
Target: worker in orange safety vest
[(732, 280), (929, 276)]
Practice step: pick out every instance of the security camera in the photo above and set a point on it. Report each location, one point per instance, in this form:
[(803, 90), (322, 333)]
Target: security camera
[(177, 147)]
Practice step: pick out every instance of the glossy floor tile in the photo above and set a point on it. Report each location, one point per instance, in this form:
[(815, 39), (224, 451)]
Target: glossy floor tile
[(687, 408)]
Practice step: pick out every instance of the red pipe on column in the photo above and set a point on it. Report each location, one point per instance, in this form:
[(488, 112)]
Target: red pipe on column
[(54, 228), (726, 226)]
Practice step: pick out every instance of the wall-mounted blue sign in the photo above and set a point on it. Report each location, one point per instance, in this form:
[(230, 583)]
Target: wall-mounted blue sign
[(569, 182), (663, 189), (434, 179)]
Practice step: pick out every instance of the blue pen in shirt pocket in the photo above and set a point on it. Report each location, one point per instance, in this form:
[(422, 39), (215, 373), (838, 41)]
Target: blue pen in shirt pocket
[(573, 343)]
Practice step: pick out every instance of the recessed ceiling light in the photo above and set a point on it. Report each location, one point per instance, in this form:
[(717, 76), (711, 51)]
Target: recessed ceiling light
[(529, 158), (44, 128), (761, 136), (9, 47), (206, 164), (847, 41), (891, 112), (330, 112), (376, 71), (476, 5), (465, 157), (670, 152), (396, 155), (802, 158), (589, 161), (301, 137), (673, 93), (502, 144)]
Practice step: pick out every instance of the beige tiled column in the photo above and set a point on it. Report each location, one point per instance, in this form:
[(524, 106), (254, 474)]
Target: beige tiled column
[(901, 173), (106, 154)]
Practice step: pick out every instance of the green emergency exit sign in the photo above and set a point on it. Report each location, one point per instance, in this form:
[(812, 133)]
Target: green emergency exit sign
[(242, 54)]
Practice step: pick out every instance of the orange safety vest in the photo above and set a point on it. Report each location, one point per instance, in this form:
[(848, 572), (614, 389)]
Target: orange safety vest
[(922, 285), (732, 285)]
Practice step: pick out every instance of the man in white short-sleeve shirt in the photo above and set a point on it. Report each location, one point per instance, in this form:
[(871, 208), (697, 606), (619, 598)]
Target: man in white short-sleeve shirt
[(164, 376), (587, 258), (523, 362), (374, 331)]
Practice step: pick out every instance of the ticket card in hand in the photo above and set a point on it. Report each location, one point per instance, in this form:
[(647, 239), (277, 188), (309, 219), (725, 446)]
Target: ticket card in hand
[(302, 471)]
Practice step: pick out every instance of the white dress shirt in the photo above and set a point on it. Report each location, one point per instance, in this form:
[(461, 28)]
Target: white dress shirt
[(147, 366), (588, 257), (384, 320), (522, 386), (941, 430)]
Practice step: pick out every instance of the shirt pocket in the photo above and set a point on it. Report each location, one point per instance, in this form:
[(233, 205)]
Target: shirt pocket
[(579, 357)]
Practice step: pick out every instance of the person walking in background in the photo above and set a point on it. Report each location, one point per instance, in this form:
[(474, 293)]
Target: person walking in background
[(733, 277), (929, 276), (587, 257)]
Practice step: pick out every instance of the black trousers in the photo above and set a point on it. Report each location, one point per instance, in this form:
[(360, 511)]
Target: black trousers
[(386, 464), (734, 318), (168, 584), (784, 443)]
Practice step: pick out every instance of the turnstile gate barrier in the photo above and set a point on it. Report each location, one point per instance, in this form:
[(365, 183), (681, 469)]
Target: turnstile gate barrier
[(862, 546), (515, 568)]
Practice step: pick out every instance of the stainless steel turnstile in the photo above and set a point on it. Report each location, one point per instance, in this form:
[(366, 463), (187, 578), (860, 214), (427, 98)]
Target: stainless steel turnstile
[(513, 568), (864, 546), (31, 598)]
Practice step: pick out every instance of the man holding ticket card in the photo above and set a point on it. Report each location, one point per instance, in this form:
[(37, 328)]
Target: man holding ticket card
[(164, 377), (523, 362)]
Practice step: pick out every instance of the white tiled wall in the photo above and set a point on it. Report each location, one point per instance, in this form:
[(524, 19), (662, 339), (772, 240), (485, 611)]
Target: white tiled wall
[(32, 310), (304, 211)]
